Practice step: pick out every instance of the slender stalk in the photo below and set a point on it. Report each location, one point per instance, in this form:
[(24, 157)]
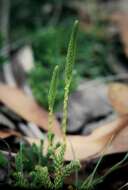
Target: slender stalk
[(51, 101), (70, 59)]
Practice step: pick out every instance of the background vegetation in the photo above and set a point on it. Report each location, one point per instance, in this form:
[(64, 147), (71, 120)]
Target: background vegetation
[(46, 26)]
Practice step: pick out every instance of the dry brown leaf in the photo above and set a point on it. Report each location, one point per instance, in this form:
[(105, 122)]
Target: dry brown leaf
[(121, 19), (26, 107), (118, 96), (6, 134), (120, 143), (86, 147)]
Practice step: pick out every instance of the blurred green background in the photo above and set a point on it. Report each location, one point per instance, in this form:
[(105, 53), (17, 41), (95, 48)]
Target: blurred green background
[(46, 25)]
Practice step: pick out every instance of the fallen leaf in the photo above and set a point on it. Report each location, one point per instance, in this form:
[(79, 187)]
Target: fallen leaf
[(120, 143), (26, 107), (8, 133), (87, 147), (118, 96), (121, 19)]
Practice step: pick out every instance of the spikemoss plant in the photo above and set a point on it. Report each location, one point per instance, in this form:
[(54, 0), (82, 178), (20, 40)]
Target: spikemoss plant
[(36, 169), (49, 170)]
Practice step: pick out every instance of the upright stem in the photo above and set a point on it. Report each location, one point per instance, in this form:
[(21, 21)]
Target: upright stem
[(70, 59), (65, 110), (50, 122), (51, 102)]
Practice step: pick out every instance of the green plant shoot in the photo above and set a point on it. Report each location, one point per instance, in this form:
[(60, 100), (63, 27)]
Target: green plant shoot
[(70, 59), (51, 100)]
